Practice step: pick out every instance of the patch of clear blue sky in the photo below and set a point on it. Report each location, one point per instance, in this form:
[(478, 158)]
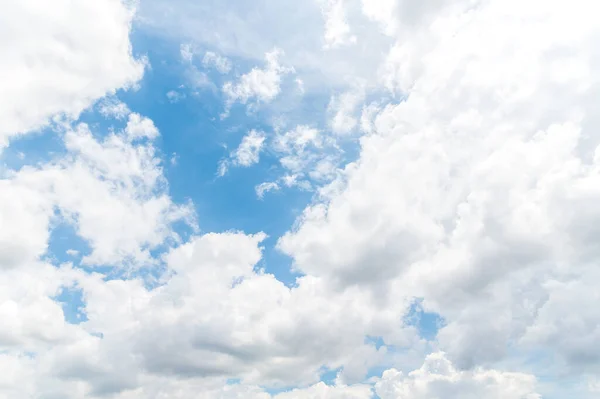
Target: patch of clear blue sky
[(32, 149), (73, 305), (192, 129), (427, 323)]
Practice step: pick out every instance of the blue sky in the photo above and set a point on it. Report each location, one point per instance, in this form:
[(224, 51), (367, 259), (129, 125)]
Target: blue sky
[(195, 134), (321, 200)]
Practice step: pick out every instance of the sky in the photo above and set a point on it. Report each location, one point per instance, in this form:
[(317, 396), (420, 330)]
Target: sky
[(327, 199)]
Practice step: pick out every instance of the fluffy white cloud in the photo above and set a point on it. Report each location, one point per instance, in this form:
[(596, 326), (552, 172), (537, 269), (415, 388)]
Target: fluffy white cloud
[(25, 216), (343, 109), (438, 379), (260, 85), (214, 60), (247, 153), (308, 157), (207, 326), (113, 108), (32, 320), (139, 127), (299, 149), (384, 12), (112, 190), (337, 31), (54, 61), (322, 391), (298, 140), (476, 191), (24, 376), (115, 193), (249, 149), (185, 337)]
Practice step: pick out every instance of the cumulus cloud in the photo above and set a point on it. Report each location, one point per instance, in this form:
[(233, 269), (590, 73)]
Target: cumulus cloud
[(121, 178), (247, 153), (249, 149), (112, 107), (199, 326), (438, 378), (139, 127), (112, 190), (259, 85), (37, 83), (474, 192)]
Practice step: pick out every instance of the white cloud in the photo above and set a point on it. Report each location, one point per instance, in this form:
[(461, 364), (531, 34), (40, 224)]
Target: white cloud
[(252, 327), (32, 320), (265, 187), (247, 153), (25, 377), (139, 127), (113, 108), (298, 140), (112, 190), (384, 12), (593, 385), (122, 179), (343, 109), (249, 149), (306, 155), (367, 117), (72, 252), (337, 31), (322, 391), (475, 192), (300, 84), (25, 216), (215, 316), (214, 60), (437, 378), (261, 85), (113, 193), (55, 61), (186, 52)]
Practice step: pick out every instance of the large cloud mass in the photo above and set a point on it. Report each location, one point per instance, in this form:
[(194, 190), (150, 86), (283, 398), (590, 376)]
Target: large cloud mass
[(477, 192), (58, 57)]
